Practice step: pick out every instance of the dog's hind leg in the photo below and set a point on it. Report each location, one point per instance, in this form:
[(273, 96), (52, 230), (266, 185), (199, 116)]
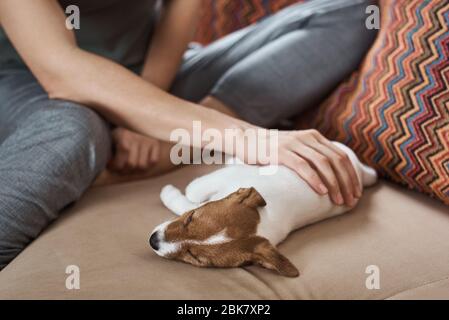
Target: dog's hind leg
[(175, 201)]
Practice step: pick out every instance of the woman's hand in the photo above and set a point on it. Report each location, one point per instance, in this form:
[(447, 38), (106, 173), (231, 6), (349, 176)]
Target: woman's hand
[(127, 100), (133, 152), (325, 167)]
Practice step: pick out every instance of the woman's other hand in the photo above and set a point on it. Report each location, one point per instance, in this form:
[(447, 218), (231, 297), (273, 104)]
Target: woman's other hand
[(134, 152)]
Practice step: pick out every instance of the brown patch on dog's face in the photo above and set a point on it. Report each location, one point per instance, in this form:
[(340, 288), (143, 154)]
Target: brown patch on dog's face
[(237, 213), (222, 234), (237, 253)]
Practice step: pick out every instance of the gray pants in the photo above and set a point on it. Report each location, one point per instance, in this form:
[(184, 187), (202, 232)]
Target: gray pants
[(52, 150), (272, 71)]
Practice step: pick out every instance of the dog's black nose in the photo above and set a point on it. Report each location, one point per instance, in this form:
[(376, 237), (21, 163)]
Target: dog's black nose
[(154, 241)]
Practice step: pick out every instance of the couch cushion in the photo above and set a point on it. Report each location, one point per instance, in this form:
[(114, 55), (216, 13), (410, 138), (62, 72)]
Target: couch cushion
[(394, 111), (219, 18), (106, 234), (430, 291)]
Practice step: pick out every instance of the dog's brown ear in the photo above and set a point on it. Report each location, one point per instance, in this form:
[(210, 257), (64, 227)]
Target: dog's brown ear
[(250, 197), (267, 256)]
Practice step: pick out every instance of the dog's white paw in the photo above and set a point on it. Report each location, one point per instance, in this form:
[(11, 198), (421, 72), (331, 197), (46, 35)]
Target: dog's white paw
[(169, 193), (200, 190), (175, 201)]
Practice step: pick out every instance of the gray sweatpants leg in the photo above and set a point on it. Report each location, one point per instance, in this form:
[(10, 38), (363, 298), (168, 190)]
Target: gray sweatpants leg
[(288, 62), (50, 152)]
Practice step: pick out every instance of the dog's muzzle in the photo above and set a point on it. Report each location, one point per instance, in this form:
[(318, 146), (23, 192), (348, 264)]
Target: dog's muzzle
[(155, 241)]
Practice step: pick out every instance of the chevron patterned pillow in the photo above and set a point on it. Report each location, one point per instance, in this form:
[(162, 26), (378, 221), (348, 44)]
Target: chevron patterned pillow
[(221, 17), (394, 112)]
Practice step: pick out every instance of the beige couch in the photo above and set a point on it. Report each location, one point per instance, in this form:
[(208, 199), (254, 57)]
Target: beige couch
[(404, 233)]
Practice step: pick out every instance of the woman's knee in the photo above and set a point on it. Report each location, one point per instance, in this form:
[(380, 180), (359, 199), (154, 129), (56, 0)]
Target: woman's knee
[(48, 163), (80, 137)]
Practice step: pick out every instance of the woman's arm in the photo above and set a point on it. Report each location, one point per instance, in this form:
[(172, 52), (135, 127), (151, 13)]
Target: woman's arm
[(174, 31), (37, 30), (136, 152)]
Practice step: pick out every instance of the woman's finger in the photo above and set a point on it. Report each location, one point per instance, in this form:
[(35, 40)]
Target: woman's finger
[(154, 152), (343, 158), (344, 179), (119, 160), (133, 157), (305, 171), (144, 157), (323, 166)]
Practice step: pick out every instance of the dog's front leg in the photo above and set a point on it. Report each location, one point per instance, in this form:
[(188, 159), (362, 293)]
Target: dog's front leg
[(175, 201)]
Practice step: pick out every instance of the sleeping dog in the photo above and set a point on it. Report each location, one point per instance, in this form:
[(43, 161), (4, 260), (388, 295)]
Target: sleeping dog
[(235, 216)]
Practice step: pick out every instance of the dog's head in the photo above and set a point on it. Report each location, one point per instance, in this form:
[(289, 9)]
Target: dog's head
[(221, 234)]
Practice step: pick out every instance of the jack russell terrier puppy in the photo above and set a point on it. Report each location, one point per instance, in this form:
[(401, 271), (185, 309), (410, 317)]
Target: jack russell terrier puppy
[(235, 216)]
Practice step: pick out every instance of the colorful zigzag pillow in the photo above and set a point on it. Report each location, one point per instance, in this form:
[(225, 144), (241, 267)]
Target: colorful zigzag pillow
[(394, 112), (221, 17)]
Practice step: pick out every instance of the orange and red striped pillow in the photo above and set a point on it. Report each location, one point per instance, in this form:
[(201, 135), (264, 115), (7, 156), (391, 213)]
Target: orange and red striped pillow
[(394, 112)]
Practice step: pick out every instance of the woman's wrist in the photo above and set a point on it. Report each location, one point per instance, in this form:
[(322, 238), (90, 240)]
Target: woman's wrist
[(221, 132), (241, 140), (235, 133)]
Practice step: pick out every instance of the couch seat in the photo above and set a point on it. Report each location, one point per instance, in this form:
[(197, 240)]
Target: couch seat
[(106, 234)]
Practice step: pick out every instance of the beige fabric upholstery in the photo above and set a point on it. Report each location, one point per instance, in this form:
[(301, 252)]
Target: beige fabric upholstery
[(106, 234)]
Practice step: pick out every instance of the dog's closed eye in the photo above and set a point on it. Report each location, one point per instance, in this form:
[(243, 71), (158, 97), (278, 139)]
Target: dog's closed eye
[(189, 218)]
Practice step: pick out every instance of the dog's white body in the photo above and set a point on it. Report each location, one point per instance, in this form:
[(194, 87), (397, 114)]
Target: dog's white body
[(291, 202)]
